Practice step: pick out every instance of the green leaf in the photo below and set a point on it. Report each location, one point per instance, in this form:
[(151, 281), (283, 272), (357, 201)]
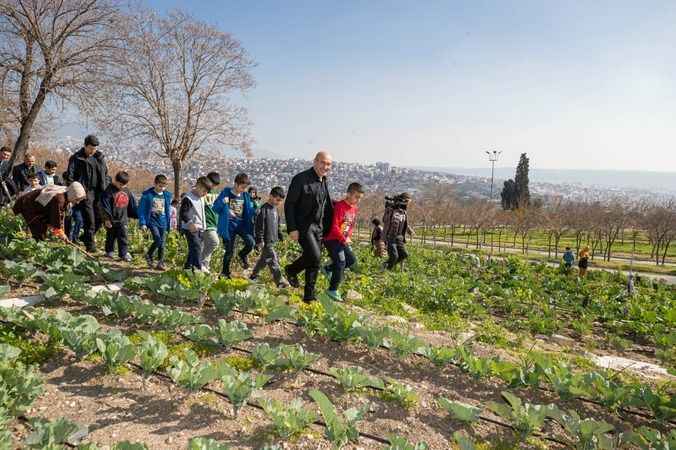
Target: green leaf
[(463, 441), (205, 443), (460, 411), (400, 443)]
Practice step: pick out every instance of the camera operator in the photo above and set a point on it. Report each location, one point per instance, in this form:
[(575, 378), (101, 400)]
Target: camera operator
[(395, 222)]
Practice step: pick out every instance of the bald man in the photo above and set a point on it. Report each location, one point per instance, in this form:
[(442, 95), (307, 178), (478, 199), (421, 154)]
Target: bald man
[(309, 211)]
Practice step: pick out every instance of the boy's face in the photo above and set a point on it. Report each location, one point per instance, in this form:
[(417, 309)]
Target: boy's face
[(119, 185), (35, 182), (50, 170), (160, 187), (201, 190), (353, 198), (5, 155), (239, 188), (276, 201)]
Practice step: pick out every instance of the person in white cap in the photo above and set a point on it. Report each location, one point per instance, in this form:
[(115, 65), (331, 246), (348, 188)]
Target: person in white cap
[(44, 210)]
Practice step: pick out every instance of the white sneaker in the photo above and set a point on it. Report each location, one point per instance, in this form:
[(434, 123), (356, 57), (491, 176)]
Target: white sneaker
[(127, 258)]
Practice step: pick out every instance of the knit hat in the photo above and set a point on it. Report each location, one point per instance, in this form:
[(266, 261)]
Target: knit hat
[(75, 191)]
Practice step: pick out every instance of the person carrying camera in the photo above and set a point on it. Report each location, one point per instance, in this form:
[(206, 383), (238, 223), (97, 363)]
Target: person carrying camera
[(395, 223)]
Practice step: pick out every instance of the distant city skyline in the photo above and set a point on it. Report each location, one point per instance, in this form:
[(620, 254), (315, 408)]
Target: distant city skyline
[(575, 85)]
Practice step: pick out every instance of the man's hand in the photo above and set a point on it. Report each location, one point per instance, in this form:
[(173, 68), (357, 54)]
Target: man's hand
[(192, 228), (294, 235), (108, 224)]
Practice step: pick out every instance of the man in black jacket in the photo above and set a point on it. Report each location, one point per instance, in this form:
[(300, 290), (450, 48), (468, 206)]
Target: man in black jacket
[(7, 188), (88, 167), (309, 211), (21, 171)]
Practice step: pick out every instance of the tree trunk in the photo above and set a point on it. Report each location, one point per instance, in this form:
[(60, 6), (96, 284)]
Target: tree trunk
[(27, 123), (452, 234), (176, 165), (666, 248)]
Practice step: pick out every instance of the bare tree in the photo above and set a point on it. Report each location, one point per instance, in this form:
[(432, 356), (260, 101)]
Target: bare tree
[(613, 218), (52, 48), (555, 224), (176, 76), (660, 224)]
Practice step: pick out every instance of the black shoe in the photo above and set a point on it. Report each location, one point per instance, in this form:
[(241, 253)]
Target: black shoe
[(225, 276), (292, 279), (308, 301), (245, 262)]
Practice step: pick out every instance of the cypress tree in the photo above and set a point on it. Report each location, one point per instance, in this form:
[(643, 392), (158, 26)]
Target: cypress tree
[(522, 198), (508, 195)]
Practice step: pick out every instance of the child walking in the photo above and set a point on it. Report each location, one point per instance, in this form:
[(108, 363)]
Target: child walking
[(377, 239), (116, 207), (268, 232), (210, 235), (154, 214), (338, 239), (192, 221), (236, 214)]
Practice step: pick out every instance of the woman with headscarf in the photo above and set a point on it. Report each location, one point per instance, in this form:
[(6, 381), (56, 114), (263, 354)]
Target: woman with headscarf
[(44, 210)]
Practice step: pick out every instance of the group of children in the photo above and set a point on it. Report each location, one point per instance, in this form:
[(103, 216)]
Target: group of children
[(204, 218)]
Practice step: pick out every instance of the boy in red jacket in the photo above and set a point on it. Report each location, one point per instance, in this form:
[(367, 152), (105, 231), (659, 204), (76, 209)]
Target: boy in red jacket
[(339, 238)]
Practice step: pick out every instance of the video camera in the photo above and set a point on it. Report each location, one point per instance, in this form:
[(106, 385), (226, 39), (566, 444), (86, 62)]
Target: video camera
[(396, 201)]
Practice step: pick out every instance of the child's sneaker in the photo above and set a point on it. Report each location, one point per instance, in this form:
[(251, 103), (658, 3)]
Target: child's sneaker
[(110, 255), (335, 296), (245, 262), (160, 266), (127, 258), (283, 285), (149, 260), (253, 277)]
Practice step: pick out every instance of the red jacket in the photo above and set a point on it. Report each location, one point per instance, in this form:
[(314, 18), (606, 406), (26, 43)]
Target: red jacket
[(344, 219)]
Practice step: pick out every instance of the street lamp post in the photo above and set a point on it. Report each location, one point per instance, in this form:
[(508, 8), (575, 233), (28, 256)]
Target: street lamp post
[(492, 157)]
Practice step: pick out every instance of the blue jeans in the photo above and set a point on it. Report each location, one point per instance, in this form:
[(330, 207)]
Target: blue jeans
[(75, 225), (342, 258), (229, 247), (158, 234), (194, 260)]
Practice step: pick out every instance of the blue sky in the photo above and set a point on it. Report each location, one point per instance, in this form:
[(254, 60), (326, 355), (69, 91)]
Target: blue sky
[(575, 84)]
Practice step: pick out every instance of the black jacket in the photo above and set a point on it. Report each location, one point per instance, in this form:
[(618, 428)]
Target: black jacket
[(7, 187), (308, 203), (20, 175), (118, 205), (91, 172), (267, 227)]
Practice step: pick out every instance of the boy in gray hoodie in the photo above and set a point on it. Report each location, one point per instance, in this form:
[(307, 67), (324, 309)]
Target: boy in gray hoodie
[(193, 222), (267, 232)]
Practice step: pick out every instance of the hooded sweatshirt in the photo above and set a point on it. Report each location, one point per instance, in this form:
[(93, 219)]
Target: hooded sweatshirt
[(192, 211)]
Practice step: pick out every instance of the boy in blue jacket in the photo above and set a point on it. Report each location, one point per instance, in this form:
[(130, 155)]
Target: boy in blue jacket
[(154, 214), (236, 213)]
